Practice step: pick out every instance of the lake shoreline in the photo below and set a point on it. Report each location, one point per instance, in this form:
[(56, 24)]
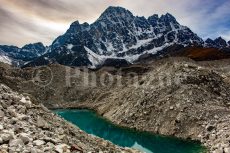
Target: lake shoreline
[(93, 107), (101, 121)]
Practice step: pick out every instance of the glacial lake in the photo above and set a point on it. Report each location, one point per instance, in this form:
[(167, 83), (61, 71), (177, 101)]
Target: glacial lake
[(92, 123)]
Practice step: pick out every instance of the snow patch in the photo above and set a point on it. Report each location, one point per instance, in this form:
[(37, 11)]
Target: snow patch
[(69, 46), (5, 59), (94, 58), (132, 58), (98, 60)]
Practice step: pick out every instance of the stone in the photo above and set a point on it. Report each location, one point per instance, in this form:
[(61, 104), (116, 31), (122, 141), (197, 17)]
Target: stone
[(26, 101), (4, 148), (6, 137), (51, 140), (41, 123), (16, 143), (12, 112), (210, 128), (33, 150), (186, 65), (39, 142), (227, 150), (21, 109), (1, 127), (13, 120), (2, 114), (25, 138), (62, 148), (218, 151), (23, 117), (76, 148), (1, 141)]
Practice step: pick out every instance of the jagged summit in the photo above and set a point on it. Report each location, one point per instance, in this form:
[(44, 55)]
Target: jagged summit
[(114, 12), (168, 18), (217, 43), (220, 42), (37, 48), (209, 42)]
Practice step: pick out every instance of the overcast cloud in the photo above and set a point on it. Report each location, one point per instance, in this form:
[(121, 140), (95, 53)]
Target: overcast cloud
[(28, 21)]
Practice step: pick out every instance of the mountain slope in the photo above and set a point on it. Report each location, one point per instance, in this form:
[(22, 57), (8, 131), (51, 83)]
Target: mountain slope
[(117, 35)]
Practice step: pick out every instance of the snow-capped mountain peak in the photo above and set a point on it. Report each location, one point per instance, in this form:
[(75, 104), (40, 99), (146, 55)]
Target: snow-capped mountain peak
[(118, 34), (115, 13)]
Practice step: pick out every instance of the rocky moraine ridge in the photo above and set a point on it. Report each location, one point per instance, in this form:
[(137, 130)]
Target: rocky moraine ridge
[(174, 96), (29, 128)]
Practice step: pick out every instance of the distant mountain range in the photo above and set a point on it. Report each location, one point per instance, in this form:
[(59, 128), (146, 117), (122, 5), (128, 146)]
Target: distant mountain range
[(19, 56), (116, 38)]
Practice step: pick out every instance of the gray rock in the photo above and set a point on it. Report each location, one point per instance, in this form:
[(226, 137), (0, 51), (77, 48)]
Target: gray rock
[(6, 137), (4, 105), (39, 142), (26, 101), (41, 123), (12, 112), (1, 127), (16, 143), (62, 148), (25, 138), (1, 141), (33, 150), (4, 148), (226, 150), (21, 109), (2, 114)]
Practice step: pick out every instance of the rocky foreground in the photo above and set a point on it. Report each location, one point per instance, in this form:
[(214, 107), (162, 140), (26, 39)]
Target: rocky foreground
[(29, 128)]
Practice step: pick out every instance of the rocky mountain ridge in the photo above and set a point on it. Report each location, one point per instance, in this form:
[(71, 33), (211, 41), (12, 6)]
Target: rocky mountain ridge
[(19, 56), (217, 43), (117, 35)]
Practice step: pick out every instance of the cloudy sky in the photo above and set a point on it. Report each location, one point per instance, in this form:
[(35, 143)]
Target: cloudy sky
[(28, 21)]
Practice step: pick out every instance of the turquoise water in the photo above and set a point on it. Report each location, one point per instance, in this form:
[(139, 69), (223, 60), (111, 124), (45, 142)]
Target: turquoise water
[(91, 123)]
